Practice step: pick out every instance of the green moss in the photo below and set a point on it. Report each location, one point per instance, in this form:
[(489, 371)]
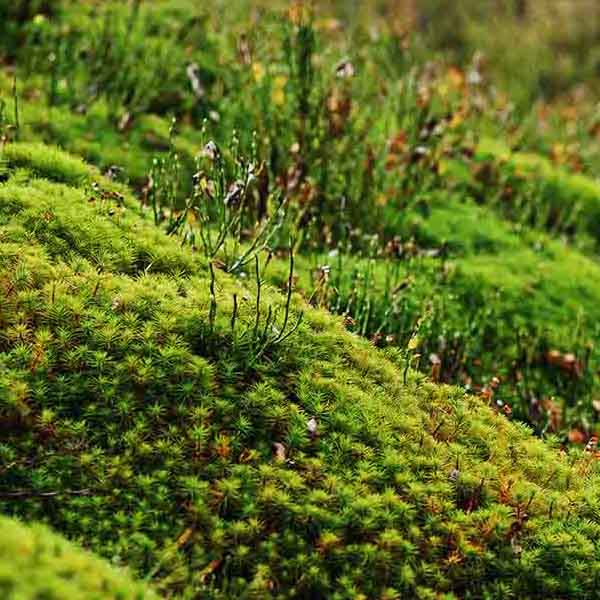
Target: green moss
[(572, 194), (140, 429), (153, 410), (503, 253), (96, 137), (498, 297), (46, 162), (36, 563)]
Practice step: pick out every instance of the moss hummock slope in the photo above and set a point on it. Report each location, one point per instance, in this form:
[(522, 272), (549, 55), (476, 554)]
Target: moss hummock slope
[(36, 563), (140, 419)]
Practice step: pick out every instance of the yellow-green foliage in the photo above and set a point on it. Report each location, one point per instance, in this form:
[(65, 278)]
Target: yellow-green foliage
[(188, 423), (139, 425), (36, 563), (409, 175)]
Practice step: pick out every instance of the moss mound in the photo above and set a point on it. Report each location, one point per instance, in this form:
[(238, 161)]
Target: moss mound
[(36, 563), (145, 418)]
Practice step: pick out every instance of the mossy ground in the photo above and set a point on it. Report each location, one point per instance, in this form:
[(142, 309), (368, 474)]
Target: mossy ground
[(178, 411), (36, 563), (160, 433)]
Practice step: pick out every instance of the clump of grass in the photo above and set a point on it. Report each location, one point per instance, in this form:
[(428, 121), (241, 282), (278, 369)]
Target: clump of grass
[(118, 53), (16, 17), (230, 212)]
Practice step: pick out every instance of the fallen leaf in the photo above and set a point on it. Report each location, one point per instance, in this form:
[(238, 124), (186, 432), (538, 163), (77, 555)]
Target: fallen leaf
[(212, 566), (345, 70), (184, 538), (576, 436), (311, 425)]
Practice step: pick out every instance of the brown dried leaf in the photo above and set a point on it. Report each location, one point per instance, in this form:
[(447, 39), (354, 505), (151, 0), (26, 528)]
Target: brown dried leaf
[(279, 450)]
